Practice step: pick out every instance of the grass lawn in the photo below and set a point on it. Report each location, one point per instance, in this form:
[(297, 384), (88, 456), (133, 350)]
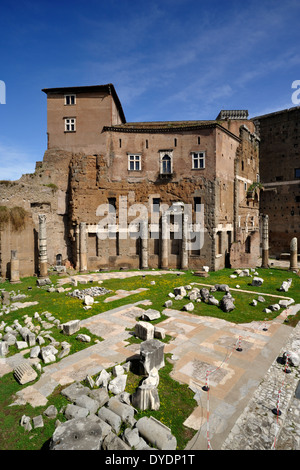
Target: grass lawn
[(176, 400)]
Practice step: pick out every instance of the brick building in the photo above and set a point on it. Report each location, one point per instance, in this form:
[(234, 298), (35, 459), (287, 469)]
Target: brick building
[(280, 175), (187, 180)]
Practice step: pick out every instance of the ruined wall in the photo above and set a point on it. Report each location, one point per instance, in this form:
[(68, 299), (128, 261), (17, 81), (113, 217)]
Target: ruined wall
[(279, 161)]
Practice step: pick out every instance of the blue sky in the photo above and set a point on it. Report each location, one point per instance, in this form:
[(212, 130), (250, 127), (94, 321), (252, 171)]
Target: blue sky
[(168, 60)]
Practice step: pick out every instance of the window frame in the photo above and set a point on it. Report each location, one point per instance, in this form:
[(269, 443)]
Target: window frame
[(136, 160), (68, 97), (198, 156), (68, 124)]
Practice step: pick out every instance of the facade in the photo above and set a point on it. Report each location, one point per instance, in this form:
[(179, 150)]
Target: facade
[(280, 176), (148, 194)]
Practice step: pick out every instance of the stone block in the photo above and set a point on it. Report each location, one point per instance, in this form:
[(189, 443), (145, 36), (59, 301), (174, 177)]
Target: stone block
[(152, 355), (156, 433), (71, 327), (24, 373), (144, 330), (80, 434)]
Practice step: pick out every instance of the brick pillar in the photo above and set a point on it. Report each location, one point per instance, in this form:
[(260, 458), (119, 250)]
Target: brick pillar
[(43, 259)]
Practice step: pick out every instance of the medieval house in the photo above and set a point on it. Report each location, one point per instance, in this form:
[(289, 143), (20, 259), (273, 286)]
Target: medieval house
[(134, 194)]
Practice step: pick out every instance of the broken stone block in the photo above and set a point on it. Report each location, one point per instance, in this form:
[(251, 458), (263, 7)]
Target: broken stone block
[(144, 330), (71, 327), (100, 395), (88, 300), (80, 434), (168, 304), (286, 285), (115, 443), (156, 433), (38, 422), (180, 291), (118, 384), (83, 338), (24, 373), (188, 307), (151, 314), (146, 398), (159, 333), (43, 282), (227, 304), (87, 402), (126, 412), (51, 412), (75, 411), (3, 348), (48, 354), (26, 423), (75, 390), (152, 355), (117, 370), (257, 281), (212, 300), (110, 418), (103, 379)]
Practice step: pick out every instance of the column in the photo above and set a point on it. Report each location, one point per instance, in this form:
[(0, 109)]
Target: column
[(184, 244), (43, 260), (294, 254), (14, 268), (265, 242), (144, 243), (165, 235), (82, 247)]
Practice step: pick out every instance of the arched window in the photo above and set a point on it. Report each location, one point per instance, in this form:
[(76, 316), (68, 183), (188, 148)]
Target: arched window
[(166, 166)]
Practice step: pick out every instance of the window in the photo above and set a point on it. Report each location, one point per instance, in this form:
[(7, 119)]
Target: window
[(156, 204), (297, 172), (197, 204), (70, 124), (134, 162), (198, 160), (112, 205), (166, 167), (70, 100)]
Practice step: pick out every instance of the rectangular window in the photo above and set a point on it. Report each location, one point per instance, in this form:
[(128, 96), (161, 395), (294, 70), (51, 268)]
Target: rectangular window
[(297, 172), (198, 160), (70, 100), (156, 204), (197, 204), (70, 124), (134, 162)]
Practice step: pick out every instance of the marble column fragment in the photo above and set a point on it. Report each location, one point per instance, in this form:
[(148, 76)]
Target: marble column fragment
[(43, 259), (144, 244), (265, 241), (184, 244), (82, 247), (165, 236), (294, 254), (14, 268)]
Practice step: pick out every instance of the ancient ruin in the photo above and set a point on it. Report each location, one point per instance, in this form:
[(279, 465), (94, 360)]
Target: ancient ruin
[(110, 193)]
